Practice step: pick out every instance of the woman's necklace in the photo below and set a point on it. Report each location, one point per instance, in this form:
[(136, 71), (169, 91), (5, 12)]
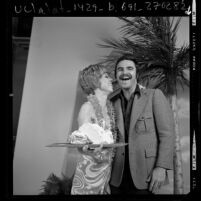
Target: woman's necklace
[(100, 117)]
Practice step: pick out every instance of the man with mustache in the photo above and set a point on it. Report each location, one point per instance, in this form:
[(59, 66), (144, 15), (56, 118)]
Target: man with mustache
[(145, 122)]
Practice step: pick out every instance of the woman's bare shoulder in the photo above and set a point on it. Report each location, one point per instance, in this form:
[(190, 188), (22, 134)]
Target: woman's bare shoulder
[(86, 113), (86, 107)]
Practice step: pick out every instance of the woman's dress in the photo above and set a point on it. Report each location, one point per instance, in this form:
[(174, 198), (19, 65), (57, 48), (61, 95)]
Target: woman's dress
[(92, 176)]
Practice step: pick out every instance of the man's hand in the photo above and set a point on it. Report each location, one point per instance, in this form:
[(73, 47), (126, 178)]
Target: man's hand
[(156, 179)]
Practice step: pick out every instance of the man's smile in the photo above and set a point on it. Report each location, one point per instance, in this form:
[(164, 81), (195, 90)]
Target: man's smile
[(125, 77)]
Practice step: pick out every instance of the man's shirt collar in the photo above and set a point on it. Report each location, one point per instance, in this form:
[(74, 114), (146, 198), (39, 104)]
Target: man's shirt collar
[(137, 91)]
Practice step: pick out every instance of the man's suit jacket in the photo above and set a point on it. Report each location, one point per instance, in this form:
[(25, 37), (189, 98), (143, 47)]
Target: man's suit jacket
[(151, 137)]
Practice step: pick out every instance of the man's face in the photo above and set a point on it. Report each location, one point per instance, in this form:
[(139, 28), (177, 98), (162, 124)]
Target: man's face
[(126, 74)]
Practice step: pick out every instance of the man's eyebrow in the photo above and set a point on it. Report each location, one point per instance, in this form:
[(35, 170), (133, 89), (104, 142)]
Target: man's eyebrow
[(125, 67)]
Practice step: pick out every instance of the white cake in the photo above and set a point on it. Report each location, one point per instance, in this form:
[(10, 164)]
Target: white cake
[(93, 133)]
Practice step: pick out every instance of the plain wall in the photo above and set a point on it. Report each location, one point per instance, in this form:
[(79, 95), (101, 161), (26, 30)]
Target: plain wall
[(59, 49)]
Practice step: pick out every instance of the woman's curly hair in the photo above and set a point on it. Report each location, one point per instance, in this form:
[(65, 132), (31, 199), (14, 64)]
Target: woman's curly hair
[(89, 78)]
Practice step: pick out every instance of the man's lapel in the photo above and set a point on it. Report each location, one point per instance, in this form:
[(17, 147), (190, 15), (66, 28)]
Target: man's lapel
[(137, 108), (120, 119)]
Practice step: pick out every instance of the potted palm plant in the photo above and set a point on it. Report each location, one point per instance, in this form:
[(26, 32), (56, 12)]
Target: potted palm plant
[(55, 185)]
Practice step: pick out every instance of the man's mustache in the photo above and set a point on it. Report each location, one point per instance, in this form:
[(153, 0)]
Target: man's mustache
[(125, 76)]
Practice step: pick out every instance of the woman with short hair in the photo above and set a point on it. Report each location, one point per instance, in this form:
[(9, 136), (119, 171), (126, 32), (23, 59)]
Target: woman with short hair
[(96, 121)]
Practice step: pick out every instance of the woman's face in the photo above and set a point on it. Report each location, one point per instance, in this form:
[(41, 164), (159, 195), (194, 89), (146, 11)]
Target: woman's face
[(106, 83)]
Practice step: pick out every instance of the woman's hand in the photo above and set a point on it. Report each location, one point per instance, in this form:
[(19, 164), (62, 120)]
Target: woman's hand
[(89, 151), (99, 154), (98, 149), (102, 155)]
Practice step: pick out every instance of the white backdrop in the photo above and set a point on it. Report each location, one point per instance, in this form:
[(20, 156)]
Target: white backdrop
[(59, 49)]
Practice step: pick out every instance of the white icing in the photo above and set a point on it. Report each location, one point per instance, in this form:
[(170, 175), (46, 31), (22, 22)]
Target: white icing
[(92, 132)]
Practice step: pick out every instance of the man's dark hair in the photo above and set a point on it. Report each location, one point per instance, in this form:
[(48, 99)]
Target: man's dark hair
[(124, 57)]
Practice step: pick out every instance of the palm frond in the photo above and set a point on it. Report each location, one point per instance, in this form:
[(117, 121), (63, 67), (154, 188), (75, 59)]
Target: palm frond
[(151, 40), (181, 57), (176, 26), (113, 43), (56, 186), (182, 79)]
